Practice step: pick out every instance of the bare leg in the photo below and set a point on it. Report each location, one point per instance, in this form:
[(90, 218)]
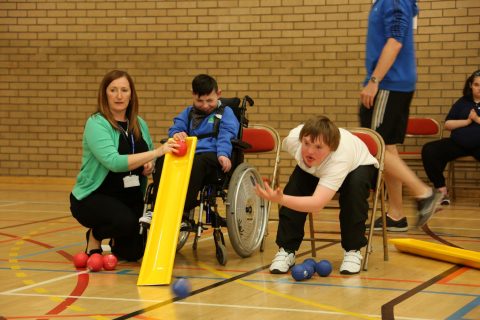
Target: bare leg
[(443, 190), (397, 174)]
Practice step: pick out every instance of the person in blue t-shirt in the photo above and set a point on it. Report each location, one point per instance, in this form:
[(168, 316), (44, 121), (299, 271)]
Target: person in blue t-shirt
[(463, 120), (385, 104)]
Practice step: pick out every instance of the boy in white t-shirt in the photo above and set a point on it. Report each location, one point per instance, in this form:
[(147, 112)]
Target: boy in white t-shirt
[(329, 160)]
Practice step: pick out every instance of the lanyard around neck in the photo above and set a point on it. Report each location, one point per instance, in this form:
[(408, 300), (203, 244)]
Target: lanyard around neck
[(125, 135)]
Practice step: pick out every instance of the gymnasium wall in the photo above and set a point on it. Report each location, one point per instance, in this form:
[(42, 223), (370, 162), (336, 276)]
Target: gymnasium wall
[(295, 58)]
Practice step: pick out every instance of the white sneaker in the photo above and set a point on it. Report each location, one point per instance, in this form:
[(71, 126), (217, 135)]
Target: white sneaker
[(146, 218), (282, 262), (352, 262)]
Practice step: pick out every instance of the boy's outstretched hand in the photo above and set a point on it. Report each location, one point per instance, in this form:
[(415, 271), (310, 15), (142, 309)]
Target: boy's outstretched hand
[(268, 193)]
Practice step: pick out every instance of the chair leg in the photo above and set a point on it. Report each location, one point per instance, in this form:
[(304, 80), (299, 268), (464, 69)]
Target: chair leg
[(451, 179), (384, 229), (312, 234), (368, 249)]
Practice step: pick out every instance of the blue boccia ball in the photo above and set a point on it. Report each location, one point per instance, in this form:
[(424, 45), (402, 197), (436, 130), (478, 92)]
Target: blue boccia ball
[(310, 269), (323, 268), (310, 261), (299, 272), (181, 288)]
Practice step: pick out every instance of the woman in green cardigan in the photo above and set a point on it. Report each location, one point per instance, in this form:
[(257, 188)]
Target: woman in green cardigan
[(118, 156)]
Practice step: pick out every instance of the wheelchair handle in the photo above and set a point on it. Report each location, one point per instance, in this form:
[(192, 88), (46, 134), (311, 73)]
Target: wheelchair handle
[(249, 100)]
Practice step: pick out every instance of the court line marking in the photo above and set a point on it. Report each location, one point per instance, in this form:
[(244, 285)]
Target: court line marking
[(283, 295), (239, 306), (44, 282), (388, 308), (16, 203), (79, 297)]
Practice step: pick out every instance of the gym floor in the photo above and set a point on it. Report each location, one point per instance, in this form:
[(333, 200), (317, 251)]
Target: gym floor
[(38, 238)]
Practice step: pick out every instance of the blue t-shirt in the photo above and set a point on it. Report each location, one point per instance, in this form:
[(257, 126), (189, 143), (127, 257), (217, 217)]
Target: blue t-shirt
[(393, 19)]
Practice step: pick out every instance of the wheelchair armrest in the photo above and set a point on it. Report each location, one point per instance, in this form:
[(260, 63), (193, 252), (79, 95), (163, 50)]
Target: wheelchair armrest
[(237, 143)]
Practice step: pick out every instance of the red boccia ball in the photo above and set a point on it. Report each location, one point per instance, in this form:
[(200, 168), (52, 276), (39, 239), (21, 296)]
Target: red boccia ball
[(109, 262), (95, 262), (80, 260), (182, 149)]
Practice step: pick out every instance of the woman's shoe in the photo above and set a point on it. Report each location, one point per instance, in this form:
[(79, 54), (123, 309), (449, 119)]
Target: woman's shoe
[(89, 253)]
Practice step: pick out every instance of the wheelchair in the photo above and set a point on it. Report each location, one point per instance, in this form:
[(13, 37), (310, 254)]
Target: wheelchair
[(246, 214)]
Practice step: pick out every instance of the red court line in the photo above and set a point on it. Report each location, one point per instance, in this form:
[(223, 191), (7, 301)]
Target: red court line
[(454, 275), (83, 315), (81, 285), (15, 237), (78, 290)]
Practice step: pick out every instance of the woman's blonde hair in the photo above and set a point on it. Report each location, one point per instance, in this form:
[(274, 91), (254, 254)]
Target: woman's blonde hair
[(321, 127), (132, 109)]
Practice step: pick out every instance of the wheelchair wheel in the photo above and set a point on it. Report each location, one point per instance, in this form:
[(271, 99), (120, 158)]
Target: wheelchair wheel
[(185, 229), (246, 212), (221, 254), (220, 249)]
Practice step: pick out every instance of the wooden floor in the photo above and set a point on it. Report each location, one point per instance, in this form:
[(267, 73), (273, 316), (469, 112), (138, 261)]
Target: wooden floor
[(38, 237)]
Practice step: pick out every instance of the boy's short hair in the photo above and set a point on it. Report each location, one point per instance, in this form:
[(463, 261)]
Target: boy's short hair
[(203, 84), (321, 127)]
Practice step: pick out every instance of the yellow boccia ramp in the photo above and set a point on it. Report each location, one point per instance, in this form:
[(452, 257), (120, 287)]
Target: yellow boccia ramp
[(159, 256), (438, 251)]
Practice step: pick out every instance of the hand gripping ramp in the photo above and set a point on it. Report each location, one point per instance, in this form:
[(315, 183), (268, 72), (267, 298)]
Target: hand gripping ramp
[(438, 251), (159, 256)]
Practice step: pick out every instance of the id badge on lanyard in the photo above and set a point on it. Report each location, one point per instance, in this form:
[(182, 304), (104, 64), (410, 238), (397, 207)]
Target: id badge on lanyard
[(131, 180)]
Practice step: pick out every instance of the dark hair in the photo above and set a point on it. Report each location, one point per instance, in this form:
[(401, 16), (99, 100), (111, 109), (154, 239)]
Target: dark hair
[(132, 109), (321, 127), (203, 84), (467, 88)]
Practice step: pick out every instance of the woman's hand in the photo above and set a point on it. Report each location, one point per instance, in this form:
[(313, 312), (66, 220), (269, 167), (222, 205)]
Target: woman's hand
[(169, 146), (473, 116)]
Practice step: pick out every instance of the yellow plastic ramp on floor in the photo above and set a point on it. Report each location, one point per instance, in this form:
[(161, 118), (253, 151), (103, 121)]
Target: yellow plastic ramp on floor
[(438, 251), (159, 256)]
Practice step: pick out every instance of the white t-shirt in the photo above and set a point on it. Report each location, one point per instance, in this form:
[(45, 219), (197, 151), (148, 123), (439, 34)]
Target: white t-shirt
[(351, 154)]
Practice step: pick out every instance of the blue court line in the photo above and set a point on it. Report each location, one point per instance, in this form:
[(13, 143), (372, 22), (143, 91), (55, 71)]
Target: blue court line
[(459, 315), (130, 272)]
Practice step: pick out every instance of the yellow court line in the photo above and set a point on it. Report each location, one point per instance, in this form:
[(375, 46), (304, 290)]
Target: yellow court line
[(283, 295)]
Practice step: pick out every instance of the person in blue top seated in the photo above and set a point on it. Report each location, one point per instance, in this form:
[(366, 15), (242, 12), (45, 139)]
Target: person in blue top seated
[(118, 155), (214, 146), (463, 120)]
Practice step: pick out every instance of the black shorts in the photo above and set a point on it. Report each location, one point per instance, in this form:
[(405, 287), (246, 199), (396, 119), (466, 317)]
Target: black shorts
[(389, 115)]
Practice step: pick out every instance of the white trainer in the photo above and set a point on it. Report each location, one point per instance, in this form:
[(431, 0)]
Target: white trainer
[(282, 262), (352, 262)]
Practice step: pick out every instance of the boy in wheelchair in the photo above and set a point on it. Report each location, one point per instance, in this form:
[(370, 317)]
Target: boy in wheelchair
[(214, 125)]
